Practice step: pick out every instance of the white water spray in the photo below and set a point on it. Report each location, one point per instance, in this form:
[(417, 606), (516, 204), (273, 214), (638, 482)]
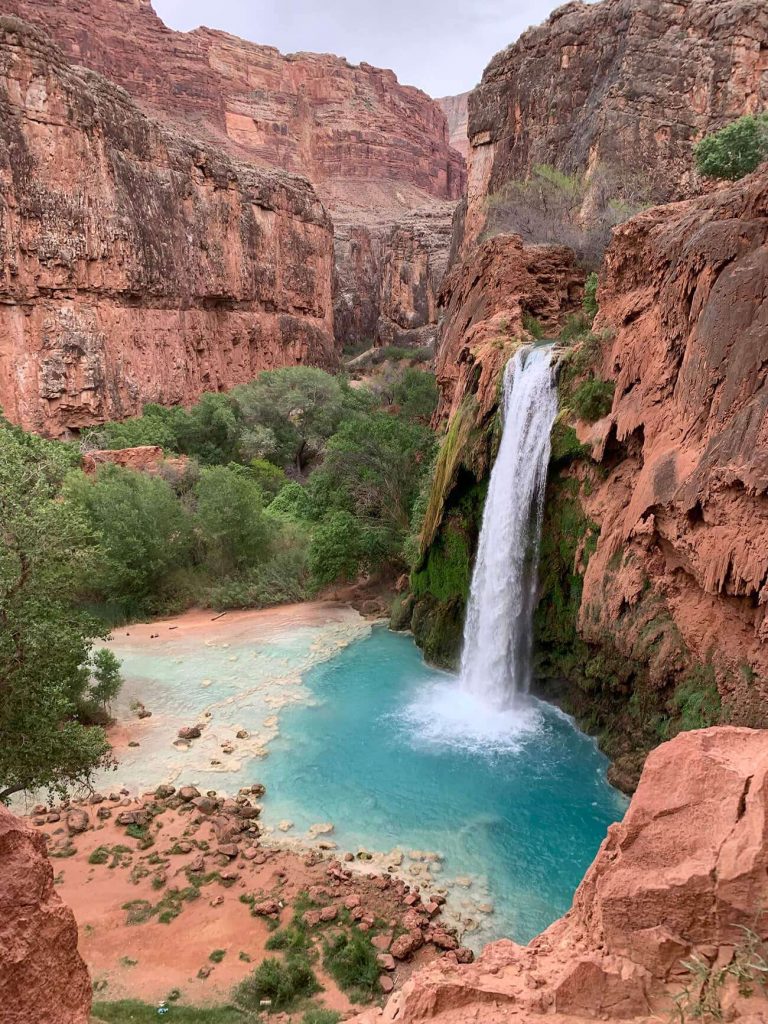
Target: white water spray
[(496, 659)]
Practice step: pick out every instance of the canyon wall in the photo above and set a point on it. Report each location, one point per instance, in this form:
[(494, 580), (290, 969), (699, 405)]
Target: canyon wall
[(679, 881), (627, 84), (675, 475), (376, 151), (654, 557), (42, 976), (137, 265), (456, 110)]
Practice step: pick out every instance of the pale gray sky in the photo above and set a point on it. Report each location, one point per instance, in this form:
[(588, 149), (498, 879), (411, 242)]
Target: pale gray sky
[(440, 45)]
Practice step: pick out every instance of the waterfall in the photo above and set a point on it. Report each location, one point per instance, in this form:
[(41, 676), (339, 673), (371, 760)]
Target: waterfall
[(496, 657)]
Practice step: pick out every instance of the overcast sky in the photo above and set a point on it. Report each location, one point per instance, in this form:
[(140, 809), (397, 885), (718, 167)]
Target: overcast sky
[(440, 45)]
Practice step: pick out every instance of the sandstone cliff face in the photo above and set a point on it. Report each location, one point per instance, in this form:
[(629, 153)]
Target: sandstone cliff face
[(42, 977), (684, 504), (485, 298), (374, 149), (631, 84), (456, 110), (135, 264), (680, 878)]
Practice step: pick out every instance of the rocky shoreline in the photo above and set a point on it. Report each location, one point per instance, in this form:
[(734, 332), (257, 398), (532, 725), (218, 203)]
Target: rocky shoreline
[(156, 880)]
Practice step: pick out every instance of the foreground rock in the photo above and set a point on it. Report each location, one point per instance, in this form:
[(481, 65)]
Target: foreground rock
[(683, 876), (42, 976)]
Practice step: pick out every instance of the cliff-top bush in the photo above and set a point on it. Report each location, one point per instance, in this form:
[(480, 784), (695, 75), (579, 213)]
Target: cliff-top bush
[(735, 150)]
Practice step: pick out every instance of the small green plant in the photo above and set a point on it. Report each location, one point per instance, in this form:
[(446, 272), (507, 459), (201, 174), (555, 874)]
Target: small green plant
[(131, 1011), (137, 911), (217, 956), (702, 993), (593, 399), (697, 699), (319, 1015), (292, 939), (589, 301), (127, 961), (351, 960), (99, 856), (735, 150), (278, 983), (576, 326), (533, 326), (245, 957)]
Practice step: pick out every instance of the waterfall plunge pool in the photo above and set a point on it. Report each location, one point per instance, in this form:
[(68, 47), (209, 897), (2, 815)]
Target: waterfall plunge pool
[(363, 734)]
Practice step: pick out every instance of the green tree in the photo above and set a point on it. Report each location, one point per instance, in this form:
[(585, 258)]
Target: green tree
[(50, 675), (336, 549), (735, 150), (270, 478), (373, 467), (143, 530), (590, 296), (288, 414), (234, 531), (416, 394)]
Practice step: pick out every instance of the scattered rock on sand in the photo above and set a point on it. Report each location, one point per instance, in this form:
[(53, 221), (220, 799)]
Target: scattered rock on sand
[(77, 821), (188, 793), (189, 732)]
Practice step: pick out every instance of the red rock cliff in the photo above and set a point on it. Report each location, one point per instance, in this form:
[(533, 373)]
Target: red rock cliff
[(456, 110), (684, 504), (42, 976), (627, 83), (135, 264), (375, 150), (681, 878)]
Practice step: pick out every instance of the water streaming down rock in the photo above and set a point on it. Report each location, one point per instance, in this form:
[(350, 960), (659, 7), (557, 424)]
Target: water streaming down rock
[(496, 659)]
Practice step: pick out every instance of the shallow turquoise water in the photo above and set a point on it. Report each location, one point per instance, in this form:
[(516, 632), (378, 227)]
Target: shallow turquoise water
[(394, 756)]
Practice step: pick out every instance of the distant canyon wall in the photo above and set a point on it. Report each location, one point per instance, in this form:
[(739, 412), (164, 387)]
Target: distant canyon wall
[(627, 84), (456, 110), (137, 264), (376, 151)]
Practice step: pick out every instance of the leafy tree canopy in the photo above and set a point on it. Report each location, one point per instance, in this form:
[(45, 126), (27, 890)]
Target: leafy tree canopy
[(52, 679), (735, 150)]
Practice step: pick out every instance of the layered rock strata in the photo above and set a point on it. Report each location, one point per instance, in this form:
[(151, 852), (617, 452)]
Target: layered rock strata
[(679, 882), (683, 503), (136, 264), (42, 976), (376, 151), (627, 84)]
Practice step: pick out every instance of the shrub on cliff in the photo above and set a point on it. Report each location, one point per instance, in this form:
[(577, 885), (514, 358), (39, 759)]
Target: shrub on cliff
[(735, 150), (51, 676), (578, 210), (593, 399)]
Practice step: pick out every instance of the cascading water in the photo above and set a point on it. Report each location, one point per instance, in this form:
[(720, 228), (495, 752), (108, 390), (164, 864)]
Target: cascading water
[(496, 659), (479, 712)]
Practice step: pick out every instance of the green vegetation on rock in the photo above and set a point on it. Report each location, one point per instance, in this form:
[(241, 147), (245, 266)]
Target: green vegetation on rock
[(736, 150)]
